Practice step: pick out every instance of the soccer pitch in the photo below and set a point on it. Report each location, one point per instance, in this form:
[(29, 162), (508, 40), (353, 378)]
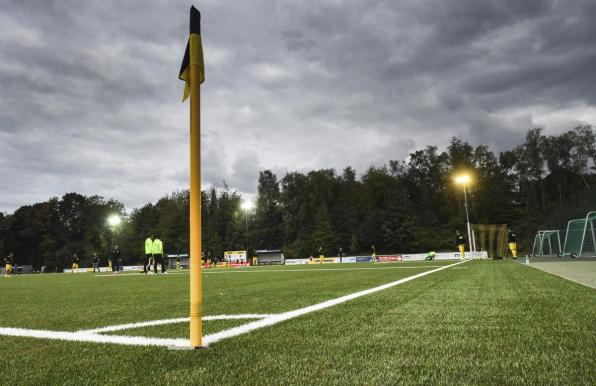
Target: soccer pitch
[(478, 322)]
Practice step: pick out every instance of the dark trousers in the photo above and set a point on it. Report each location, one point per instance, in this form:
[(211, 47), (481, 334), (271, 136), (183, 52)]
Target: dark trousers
[(146, 266), (158, 258), (115, 266)]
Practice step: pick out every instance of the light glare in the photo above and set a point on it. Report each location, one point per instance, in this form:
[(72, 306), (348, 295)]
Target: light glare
[(114, 220), (246, 205), (462, 179)]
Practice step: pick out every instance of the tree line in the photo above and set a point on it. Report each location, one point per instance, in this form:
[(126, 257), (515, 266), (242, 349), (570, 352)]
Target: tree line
[(410, 205)]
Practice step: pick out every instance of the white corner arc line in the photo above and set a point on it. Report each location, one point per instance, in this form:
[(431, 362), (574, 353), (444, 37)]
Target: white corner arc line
[(278, 318), (128, 326)]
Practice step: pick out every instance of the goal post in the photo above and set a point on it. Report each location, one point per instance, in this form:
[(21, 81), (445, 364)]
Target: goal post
[(588, 245), (580, 236), (547, 243)]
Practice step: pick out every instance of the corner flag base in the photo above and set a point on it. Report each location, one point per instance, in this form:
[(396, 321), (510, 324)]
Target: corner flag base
[(187, 348)]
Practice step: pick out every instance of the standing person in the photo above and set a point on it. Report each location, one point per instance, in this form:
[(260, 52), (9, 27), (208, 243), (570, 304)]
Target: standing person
[(321, 256), (512, 240), (95, 262), (148, 253), (115, 258), (460, 241), (373, 254), (157, 251), (209, 259), (75, 263), (340, 254), (8, 265)]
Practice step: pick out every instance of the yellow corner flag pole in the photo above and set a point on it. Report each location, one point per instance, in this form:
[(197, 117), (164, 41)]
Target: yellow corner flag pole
[(192, 72)]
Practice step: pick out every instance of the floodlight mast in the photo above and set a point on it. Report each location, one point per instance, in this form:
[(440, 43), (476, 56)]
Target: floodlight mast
[(464, 180), (246, 206)]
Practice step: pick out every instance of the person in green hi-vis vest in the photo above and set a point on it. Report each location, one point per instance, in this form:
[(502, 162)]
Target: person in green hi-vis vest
[(148, 254), (158, 255)]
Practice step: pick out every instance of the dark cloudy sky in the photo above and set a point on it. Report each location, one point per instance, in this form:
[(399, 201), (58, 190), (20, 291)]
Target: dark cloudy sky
[(90, 100)]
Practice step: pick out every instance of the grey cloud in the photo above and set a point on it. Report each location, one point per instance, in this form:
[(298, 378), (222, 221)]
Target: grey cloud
[(90, 101), (244, 166)]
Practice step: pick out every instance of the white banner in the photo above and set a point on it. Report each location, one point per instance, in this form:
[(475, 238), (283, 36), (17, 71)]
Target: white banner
[(235, 256), (296, 261), (391, 258), (446, 256)]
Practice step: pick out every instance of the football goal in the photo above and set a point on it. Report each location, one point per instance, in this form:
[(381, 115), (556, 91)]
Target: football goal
[(547, 243), (580, 237)]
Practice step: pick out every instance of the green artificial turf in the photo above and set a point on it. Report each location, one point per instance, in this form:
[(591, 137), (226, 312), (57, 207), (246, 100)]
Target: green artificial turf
[(494, 322)]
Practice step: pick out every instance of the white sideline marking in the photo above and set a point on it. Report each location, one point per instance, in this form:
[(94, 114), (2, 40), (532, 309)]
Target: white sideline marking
[(267, 320), (270, 321), (160, 322)]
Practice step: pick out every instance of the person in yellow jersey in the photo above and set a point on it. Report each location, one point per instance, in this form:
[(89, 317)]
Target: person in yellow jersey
[(460, 241), (512, 240), (8, 265), (115, 259), (75, 263), (157, 251), (148, 254), (321, 254), (373, 254)]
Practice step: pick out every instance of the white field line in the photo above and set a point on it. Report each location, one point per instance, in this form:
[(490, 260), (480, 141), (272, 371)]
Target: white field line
[(87, 336), (272, 320), (329, 269), (94, 338), (288, 270), (138, 274), (160, 322)]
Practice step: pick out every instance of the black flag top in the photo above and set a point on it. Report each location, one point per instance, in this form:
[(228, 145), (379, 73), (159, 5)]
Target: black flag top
[(193, 53)]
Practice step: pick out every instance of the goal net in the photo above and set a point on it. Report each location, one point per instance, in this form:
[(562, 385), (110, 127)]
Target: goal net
[(580, 237), (547, 243)]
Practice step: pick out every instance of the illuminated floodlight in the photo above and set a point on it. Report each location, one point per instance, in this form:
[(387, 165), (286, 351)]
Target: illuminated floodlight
[(114, 220), (463, 179), (247, 205)]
